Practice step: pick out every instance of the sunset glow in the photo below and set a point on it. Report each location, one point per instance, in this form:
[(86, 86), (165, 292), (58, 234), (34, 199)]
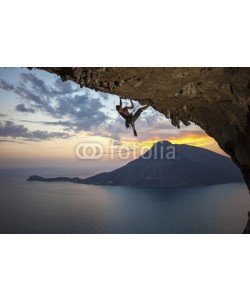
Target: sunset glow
[(43, 120)]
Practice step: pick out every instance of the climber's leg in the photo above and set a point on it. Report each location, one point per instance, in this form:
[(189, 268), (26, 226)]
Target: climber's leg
[(137, 114), (139, 111)]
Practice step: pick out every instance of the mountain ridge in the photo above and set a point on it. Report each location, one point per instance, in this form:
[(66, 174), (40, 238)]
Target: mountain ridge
[(190, 166)]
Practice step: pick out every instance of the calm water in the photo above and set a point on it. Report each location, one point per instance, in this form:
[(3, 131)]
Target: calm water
[(36, 207)]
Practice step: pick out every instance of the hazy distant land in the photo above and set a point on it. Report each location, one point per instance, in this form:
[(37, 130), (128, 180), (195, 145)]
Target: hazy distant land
[(192, 166)]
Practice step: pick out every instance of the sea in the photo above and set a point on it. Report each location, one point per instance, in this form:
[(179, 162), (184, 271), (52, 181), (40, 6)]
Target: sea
[(67, 208)]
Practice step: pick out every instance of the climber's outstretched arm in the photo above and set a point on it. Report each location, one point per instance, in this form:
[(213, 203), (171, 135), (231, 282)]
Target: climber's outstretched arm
[(133, 126), (132, 105)]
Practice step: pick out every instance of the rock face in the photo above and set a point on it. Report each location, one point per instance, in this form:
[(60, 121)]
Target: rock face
[(216, 99)]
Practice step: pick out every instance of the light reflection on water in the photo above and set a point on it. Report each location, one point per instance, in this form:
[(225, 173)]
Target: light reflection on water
[(36, 207)]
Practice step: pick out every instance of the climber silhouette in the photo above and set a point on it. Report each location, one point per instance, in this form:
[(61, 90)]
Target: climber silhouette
[(130, 118)]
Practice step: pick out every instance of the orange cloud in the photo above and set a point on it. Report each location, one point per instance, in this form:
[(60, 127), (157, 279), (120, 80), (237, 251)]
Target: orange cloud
[(198, 139)]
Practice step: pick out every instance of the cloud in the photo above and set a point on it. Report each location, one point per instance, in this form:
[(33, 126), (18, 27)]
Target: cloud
[(11, 141), (22, 108), (10, 129), (56, 123), (6, 86), (84, 111), (66, 87), (79, 109), (82, 107), (2, 115)]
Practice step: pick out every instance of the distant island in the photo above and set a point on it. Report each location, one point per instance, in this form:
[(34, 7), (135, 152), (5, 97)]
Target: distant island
[(192, 166)]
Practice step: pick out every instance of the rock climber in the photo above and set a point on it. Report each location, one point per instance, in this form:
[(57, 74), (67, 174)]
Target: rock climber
[(130, 118)]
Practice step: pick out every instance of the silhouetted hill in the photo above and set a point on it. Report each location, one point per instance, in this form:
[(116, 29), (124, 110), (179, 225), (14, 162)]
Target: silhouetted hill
[(191, 166)]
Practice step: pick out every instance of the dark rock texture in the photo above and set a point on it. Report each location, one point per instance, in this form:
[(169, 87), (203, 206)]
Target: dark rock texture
[(216, 99), (56, 179)]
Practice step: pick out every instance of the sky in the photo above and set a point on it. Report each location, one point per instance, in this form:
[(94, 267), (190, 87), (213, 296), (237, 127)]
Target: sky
[(43, 120)]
